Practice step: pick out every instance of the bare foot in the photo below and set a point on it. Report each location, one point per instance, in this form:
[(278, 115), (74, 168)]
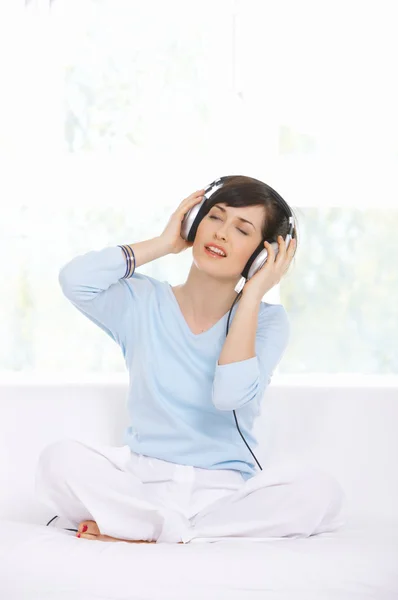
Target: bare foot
[(90, 531)]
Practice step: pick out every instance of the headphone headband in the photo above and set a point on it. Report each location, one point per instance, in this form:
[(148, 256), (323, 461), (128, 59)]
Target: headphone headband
[(195, 215), (220, 181)]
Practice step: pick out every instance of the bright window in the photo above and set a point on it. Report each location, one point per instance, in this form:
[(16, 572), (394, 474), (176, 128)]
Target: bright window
[(112, 112)]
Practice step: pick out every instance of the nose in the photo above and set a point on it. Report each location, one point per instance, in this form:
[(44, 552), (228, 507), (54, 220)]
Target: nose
[(221, 233)]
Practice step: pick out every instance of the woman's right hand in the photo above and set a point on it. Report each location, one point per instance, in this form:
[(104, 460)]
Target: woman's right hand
[(171, 235)]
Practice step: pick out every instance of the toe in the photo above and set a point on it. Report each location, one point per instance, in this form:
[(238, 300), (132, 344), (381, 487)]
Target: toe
[(90, 527), (87, 536)]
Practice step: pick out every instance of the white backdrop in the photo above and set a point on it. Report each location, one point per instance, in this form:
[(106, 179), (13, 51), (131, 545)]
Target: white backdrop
[(348, 429)]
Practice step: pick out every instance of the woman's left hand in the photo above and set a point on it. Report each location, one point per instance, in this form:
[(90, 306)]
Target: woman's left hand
[(272, 271)]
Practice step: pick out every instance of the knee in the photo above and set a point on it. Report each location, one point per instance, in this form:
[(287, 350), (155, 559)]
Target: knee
[(308, 480), (57, 458), (324, 486)]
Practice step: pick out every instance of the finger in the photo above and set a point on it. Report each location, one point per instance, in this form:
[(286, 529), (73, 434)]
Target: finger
[(292, 247), (88, 536), (271, 252), (195, 198), (290, 255), (281, 249), (194, 195), (189, 203)]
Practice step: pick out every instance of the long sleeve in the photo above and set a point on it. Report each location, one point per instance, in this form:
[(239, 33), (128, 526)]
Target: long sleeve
[(94, 284), (239, 383)]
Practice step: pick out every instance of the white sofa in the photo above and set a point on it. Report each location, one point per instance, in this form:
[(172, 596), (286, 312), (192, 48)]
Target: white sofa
[(345, 426)]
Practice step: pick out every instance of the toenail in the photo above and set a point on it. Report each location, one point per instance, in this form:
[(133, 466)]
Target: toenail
[(84, 528), (78, 535)]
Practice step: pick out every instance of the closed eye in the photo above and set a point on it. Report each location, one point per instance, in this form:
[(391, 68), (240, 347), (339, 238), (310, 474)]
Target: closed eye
[(241, 230)]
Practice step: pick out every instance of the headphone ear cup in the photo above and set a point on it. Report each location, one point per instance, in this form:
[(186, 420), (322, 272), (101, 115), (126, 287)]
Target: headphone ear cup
[(191, 221), (193, 217), (258, 260)]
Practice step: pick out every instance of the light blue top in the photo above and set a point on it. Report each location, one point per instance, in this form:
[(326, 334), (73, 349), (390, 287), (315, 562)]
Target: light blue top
[(180, 400)]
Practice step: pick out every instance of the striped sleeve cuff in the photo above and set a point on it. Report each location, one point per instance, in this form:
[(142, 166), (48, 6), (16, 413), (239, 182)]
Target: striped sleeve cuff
[(130, 260)]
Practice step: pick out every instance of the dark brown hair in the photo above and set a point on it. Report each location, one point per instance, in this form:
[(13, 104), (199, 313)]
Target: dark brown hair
[(240, 190)]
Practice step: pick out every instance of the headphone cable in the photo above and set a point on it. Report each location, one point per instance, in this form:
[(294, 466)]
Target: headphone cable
[(236, 420)]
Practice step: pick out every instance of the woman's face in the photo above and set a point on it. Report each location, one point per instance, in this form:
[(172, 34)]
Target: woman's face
[(223, 226)]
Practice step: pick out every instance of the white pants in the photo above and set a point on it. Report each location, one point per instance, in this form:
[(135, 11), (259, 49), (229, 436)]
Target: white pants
[(136, 497)]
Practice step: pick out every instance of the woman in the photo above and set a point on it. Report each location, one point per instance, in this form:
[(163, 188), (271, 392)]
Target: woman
[(184, 472)]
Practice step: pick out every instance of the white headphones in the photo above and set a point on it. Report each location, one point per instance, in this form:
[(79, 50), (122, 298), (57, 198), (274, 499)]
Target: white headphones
[(195, 214)]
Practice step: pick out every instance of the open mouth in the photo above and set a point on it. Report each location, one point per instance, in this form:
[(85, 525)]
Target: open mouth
[(215, 252)]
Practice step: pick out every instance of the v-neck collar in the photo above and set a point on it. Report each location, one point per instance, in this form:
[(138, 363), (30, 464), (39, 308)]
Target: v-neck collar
[(184, 322)]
